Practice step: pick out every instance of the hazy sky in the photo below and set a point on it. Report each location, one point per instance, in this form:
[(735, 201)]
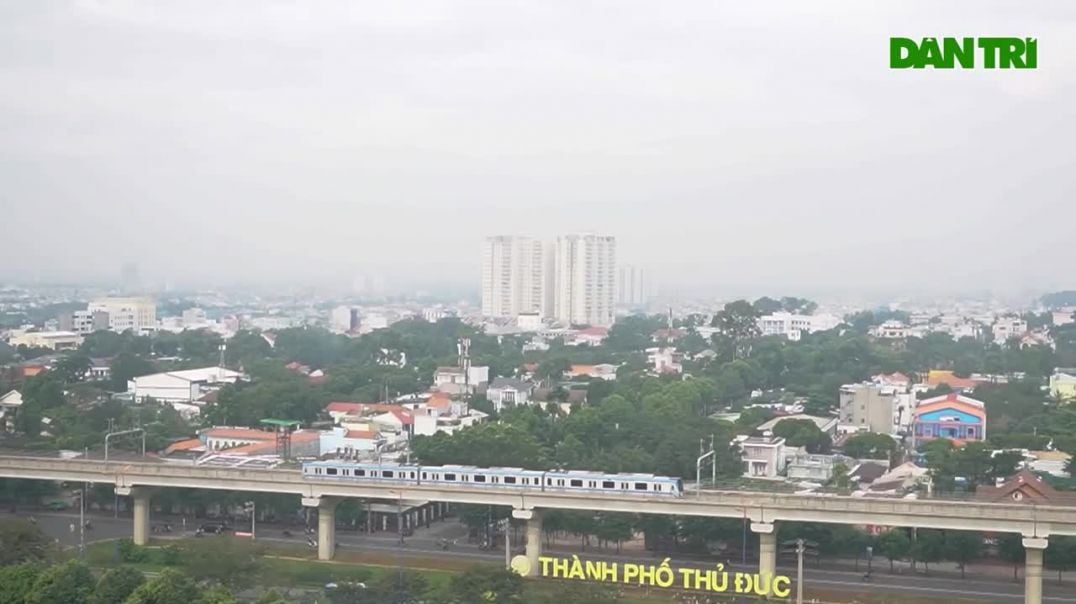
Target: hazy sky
[(728, 145)]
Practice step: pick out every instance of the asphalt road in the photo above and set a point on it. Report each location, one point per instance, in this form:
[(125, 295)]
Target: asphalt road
[(426, 543)]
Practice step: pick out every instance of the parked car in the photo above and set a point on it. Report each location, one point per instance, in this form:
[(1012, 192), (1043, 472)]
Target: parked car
[(214, 528)]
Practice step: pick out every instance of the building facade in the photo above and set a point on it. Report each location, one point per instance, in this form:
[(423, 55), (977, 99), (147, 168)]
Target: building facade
[(631, 287), (953, 416), (515, 276), (136, 314), (585, 279), (869, 407)]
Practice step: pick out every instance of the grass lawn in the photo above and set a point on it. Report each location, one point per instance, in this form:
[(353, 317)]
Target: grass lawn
[(296, 566)]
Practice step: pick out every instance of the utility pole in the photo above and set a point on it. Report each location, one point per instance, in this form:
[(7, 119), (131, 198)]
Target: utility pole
[(507, 545), (82, 523), (799, 570), (250, 508)]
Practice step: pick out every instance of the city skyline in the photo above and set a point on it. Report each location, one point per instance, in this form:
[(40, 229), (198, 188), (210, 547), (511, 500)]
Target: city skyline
[(726, 149)]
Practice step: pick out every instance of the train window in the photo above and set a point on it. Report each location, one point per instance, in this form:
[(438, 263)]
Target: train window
[(423, 476), (386, 473), (575, 483), (344, 471), (479, 478), (624, 485), (608, 484), (549, 482), (560, 482), (450, 477), (360, 473), (512, 480), (412, 474), (641, 486), (330, 471)]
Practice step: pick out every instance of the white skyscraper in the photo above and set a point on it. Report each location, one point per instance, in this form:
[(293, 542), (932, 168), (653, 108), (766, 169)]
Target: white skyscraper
[(585, 279), (631, 289), (515, 275)]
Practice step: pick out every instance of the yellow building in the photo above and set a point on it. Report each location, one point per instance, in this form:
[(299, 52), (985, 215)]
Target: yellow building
[(53, 340), (1063, 386)]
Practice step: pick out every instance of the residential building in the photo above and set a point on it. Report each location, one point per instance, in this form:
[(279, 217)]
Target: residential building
[(529, 321), (9, 408), (954, 416), (811, 467), (601, 371), (664, 360), (53, 340), (937, 377), (507, 392), (1063, 386), (763, 456), (1008, 327), (631, 287), (194, 318), (869, 407), (891, 330), (83, 322), (584, 279), (793, 326), (590, 336), (899, 480), (135, 314), (1064, 316), (1025, 487), (456, 380), (515, 276), (343, 319)]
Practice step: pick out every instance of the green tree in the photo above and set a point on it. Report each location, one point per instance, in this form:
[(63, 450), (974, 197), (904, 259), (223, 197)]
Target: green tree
[(116, 585), (169, 587), (870, 445), (803, 433), (21, 541), (929, 546), (486, 584), (738, 321), (963, 547), (72, 368), (1061, 555), (125, 367), (894, 545), (218, 594), (1011, 550), (17, 581), (67, 583)]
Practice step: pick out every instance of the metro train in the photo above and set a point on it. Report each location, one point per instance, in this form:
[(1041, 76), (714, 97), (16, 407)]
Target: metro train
[(572, 481)]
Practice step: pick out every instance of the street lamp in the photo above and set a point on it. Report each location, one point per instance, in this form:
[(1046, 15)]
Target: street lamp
[(249, 508)]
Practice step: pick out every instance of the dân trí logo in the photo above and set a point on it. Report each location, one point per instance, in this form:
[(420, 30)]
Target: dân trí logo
[(948, 53)]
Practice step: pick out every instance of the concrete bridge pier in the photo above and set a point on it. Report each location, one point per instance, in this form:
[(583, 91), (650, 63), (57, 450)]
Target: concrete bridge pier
[(767, 547), (1033, 548), (534, 535), (140, 500), (326, 524)]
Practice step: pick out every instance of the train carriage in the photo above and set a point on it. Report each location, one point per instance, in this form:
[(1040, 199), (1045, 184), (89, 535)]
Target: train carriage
[(495, 478)]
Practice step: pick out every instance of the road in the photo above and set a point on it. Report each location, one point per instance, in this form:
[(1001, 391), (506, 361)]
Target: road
[(425, 542)]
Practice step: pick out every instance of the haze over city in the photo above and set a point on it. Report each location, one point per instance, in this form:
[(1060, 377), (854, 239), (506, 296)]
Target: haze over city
[(728, 146)]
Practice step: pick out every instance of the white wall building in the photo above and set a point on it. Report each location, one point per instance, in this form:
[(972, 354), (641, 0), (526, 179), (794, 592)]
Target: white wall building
[(83, 322), (136, 314), (793, 326), (584, 279), (343, 319), (182, 389), (515, 276)]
